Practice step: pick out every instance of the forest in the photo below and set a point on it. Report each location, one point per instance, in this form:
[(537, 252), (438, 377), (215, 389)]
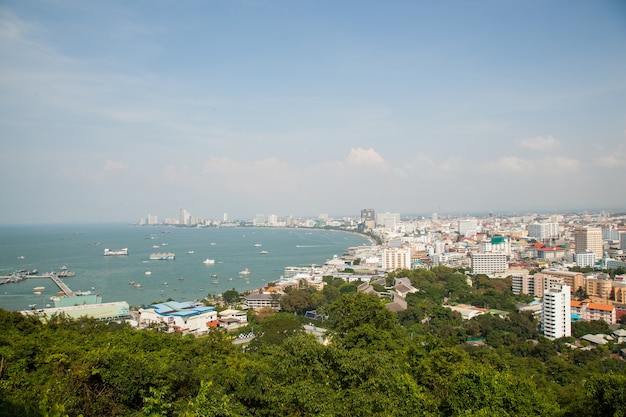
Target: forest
[(378, 363)]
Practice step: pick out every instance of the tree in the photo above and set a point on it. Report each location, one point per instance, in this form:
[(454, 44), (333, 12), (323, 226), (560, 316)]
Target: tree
[(231, 296)]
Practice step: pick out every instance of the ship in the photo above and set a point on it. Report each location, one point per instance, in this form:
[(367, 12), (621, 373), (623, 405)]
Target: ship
[(116, 252), (162, 257), (246, 271), (208, 261), (264, 252)]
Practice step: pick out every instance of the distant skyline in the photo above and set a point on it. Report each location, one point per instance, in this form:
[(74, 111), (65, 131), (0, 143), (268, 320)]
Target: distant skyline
[(110, 111)]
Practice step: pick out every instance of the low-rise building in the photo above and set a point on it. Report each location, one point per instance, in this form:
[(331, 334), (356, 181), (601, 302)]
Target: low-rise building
[(588, 311), (172, 316), (258, 301), (232, 319)]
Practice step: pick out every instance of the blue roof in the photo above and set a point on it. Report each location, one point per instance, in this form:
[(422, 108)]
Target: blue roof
[(174, 308)]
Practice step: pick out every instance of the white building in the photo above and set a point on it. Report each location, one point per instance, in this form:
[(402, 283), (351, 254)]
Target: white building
[(542, 231), (556, 320), (585, 259), (467, 227), (396, 258), (488, 263), (187, 317), (257, 301)]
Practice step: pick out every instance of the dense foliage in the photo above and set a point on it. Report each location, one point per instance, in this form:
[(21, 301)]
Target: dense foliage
[(378, 363)]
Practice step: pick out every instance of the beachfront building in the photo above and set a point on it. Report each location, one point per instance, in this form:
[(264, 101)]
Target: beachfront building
[(257, 301), (556, 319), (100, 311), (187, 317)]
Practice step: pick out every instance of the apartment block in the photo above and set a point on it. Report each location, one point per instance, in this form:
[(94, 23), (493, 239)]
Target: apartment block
[(556, 320)]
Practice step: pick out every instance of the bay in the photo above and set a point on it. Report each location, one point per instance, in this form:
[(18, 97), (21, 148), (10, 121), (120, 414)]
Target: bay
[(80, 248)]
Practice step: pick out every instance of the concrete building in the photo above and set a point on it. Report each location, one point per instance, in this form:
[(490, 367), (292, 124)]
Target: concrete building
[(488, 263), (543, 231), (589, 238), (467, 227), (396, 258), (368, 219), (587, 311), (556, 321), (257, 301), (98, 311), (585, 259), (186, 318)]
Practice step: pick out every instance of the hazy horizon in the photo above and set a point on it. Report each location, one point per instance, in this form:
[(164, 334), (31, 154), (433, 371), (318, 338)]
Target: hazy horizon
[(111, 111)]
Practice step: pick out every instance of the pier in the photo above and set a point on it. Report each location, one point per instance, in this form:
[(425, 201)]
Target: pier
[(55, 277)]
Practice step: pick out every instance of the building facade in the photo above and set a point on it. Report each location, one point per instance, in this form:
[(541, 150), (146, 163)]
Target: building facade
[(589, 238), (556, 320), (396, 258), (488, 263)]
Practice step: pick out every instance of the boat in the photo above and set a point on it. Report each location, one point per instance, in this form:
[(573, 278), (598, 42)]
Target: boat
[(263, 252), (230, 278), (37, 293), (115, 252), (190, 252), (162, 257), (148, 273), (65, 273), (20, 257), (246, 271), (258, 245), (155, 246), (181, 278), (208, 261), (39, 288), (32, 305), (215, 281)]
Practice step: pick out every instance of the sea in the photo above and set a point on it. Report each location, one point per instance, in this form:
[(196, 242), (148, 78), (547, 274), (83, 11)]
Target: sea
[(140, 281)]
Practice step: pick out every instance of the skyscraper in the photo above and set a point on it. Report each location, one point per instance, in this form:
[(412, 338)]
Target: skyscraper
[(556, 319), (589, 239)]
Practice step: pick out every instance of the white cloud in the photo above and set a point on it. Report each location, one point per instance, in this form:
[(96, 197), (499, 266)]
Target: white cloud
[(510, 165), (561, 164), (112, 166), (539, 143), (365, 157)]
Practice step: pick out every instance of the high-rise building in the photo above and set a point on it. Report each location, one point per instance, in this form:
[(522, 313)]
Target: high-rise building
[(488, 263), (185, 217), (622, 240), (396, 258), (368, 218), (467, 226), (589, 239), (543, 231), (556, 320)]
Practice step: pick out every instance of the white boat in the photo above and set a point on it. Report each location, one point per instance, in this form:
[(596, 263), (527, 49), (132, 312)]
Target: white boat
[(190, 252), (148, 273), (264, 252), (162, 256), (115, 252), (208, 261), (246, 271), (258, 245)]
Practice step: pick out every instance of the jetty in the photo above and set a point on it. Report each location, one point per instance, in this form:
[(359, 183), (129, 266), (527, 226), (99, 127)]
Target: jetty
[(53, 276)]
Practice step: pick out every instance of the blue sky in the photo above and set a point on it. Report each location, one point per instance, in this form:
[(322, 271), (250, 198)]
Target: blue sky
[(113, 110)]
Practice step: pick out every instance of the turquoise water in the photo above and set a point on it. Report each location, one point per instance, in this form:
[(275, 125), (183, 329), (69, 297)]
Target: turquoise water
[(80, 248)]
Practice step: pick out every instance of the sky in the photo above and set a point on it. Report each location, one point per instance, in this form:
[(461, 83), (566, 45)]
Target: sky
[(113, 110)]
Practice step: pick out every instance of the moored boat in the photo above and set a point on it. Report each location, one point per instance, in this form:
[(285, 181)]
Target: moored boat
[(162, 256)]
